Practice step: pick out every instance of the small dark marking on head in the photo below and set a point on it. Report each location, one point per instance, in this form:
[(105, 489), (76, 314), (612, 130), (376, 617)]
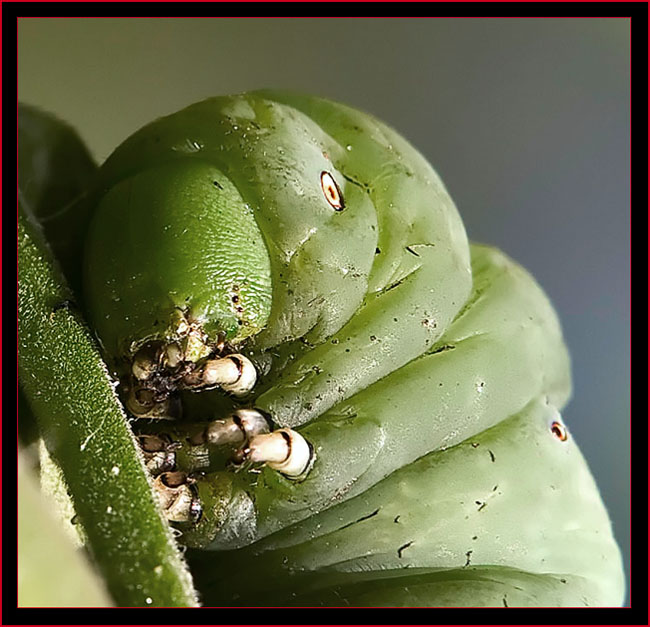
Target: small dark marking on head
[(468, 556), (396, 519), (505, 603), (475, 444), (491, 455), (217, 184), (412, 251), (377, 251)]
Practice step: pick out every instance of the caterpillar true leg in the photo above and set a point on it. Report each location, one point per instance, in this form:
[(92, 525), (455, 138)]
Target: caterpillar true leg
[(238, 428), (233, 373), (284, 450)]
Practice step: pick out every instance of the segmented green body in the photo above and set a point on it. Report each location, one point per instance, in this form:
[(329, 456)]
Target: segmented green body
[(426, 384)]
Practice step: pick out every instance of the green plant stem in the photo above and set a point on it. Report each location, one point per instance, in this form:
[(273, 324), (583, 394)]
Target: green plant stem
[(85, 430)]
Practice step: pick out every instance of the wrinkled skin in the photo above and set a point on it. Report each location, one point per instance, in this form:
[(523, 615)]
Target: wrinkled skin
[(427, 374)]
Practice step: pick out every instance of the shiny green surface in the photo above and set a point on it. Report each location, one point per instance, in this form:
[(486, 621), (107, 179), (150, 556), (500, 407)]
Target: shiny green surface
[(504, 349), (188, 242), (390, 354), (510, 513), (526, 121), (274, 155)]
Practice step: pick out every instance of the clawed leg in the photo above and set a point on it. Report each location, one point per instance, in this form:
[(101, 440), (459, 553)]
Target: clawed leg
[(246, 431), (236, 429), (159, 452), (234, 373), (159, 372), (284, 450), (177, 497)]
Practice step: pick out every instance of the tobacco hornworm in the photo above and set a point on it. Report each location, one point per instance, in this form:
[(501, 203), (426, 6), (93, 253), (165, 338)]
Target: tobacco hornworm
[(366, 406)]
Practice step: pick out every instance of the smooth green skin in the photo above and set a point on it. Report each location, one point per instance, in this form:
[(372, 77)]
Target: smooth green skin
[(456, 430), (507, 349), (381, 352), (511, 513), (274, 155), (504, 349)]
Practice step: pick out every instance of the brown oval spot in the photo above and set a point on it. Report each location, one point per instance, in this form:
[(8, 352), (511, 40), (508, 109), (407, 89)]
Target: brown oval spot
[(559, 431), (331, 190)]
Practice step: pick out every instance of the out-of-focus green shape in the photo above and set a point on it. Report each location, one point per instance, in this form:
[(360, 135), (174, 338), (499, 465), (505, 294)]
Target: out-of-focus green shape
[(54, 170), (69, 391), (55, 489), (51, 571)]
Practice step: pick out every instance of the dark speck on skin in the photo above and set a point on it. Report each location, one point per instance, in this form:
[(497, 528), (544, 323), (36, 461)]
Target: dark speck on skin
[(402, 548)]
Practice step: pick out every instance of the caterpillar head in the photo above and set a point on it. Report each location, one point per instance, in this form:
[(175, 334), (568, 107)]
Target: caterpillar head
[(211, 228)]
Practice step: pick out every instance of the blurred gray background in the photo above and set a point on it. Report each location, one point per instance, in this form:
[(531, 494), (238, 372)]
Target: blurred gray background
[(526, 121)]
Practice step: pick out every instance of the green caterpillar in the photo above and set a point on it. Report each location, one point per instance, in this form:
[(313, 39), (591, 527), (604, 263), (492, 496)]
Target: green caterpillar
[(367, 405)]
